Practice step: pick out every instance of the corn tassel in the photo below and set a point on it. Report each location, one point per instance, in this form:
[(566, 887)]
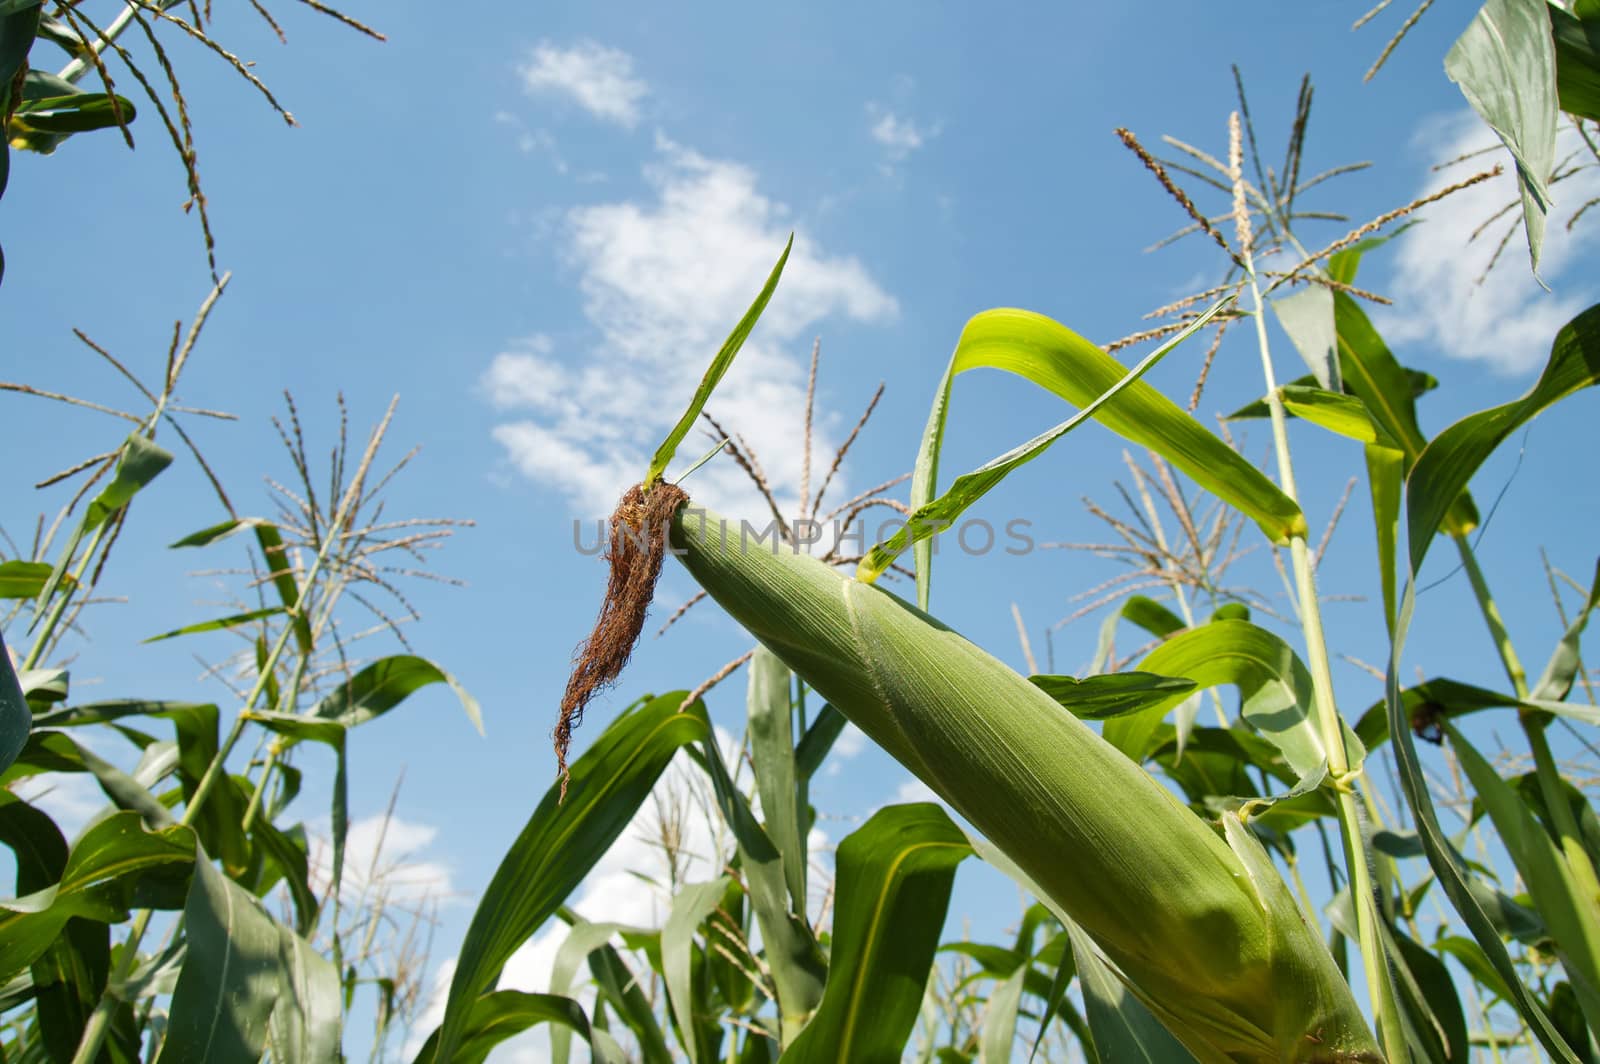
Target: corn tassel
[(1206, 935)]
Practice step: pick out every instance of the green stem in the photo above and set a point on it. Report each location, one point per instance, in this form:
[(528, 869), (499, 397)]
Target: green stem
[(94, 1031), (59, 606), (1329, 723)]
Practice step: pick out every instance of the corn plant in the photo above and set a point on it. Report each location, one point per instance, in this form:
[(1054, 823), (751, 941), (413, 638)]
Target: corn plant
[(232, 937), (1183, 938)]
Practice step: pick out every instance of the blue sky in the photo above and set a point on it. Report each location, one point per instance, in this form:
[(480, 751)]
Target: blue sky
[(535, 229)]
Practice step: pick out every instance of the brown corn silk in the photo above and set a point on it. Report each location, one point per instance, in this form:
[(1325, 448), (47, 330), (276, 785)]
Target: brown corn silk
[(637, 544)]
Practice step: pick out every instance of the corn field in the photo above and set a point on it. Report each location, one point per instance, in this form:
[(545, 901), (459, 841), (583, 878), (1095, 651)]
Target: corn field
[(1160, 811)]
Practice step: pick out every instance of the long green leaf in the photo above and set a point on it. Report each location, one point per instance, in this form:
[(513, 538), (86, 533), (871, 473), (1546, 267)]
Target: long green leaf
[(999, 1031), (792, 953), (772, 748), (714, 372), (1113, 695), (930, 517), (1274, 684), (307, 1023), (506, 1013), (893, 886), (1442, 858), (1123, 1029), (219, 624), (384, 684), (1556, 680), (115, 865), (138, 463), (231, 975), (16, 720), (1577, 41), (690, 907), (1055, 358), (1449, 461), (1505, 65), (561, 843), (1572, 917)]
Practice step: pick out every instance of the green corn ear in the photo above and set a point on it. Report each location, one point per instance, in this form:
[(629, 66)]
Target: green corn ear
[(1209, 938)]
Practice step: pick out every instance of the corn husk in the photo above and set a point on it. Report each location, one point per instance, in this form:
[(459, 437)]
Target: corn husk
[(1204, 933)]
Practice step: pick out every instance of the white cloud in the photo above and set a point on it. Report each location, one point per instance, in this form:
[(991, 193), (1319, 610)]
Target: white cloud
[(382, 854), (1507, 320), (914, 790), (597, 78), (851, 742), (663, 281), (899, 136)]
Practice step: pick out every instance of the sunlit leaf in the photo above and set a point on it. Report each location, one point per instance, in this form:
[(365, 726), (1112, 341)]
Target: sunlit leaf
[(1505, 65), (561, 842), (894, 875), (714, 372)]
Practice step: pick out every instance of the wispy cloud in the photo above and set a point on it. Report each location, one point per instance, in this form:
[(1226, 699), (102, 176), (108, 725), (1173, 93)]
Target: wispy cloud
[(598, 79), (1507, 320), (385, 854), (899, 136), (663, 280)]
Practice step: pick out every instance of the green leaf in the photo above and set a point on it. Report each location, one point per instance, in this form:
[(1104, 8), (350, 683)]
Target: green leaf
[(23, 580), (219, 624), (307, 1021), (714, 372), (1556, 680), (1123, 1029), (1446, 865), (893, 886), (1385, 474), (273, 554), (561, 842), (619, 986), (230, 981), (817, 741), (81, 112), (1505, 65), (1337, 412), (1113, 695), (16, 720), (1426, 704), (999, 1030), (1058, 360), (1449, 461), (1307, 316), (1436, 1025), (690, 907), (1577, 42), (139, 462), (117, 864), (1571, 916), (332, 734), (792, 953), (1274, 684), (505, 1013), (1037, 348), (386, 683), (772, 749), (1152, 616)]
